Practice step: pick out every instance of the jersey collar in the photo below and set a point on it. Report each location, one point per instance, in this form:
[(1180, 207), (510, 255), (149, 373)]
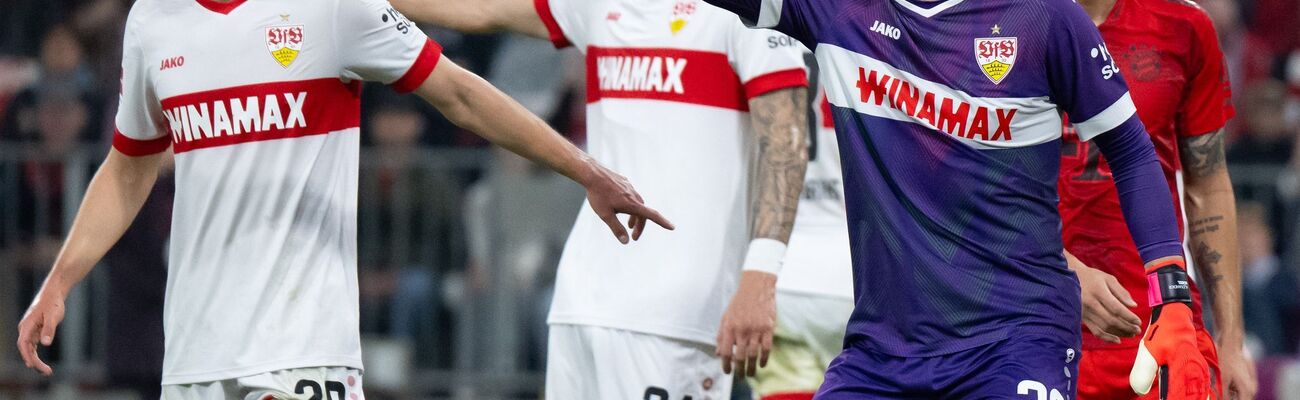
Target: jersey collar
[(219, 7), (928, 12)]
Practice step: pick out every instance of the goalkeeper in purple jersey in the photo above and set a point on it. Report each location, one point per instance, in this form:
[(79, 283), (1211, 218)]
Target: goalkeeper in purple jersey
[(948, 117)]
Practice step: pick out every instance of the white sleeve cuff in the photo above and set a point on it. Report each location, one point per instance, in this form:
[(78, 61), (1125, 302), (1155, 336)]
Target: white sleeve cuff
[(764, 255), (1107, 119)]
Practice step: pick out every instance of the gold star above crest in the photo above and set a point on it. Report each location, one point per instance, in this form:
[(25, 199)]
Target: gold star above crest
[(284, 17), (997, 30)]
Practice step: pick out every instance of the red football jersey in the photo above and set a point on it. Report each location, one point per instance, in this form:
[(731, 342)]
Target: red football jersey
[(1168, 52)]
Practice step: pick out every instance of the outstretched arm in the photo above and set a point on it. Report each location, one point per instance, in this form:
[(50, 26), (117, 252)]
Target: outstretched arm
[(112, 201), (471, 103), (476, 16), (780, 124)]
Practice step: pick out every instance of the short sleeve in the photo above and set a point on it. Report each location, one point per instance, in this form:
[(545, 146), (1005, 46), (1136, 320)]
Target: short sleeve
[(564, 20), (792, 17), (1083, 77), (138, 130), (766, 60), (377, 43), (1207, 105)]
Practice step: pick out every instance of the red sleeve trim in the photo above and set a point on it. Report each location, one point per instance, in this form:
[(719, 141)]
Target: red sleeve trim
[(772, 81), (137, 147), (552, 26), (789, 396), (420, 69)]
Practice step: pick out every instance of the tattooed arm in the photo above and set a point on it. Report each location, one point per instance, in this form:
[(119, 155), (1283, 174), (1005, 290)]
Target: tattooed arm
[(1212, 216), (780, 125)]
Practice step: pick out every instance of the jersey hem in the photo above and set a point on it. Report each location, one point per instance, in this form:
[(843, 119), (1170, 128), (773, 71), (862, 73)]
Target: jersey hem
[(556, 35), (810, 293), (863, 341), (1198, 130), (261, 368), (671, 332)]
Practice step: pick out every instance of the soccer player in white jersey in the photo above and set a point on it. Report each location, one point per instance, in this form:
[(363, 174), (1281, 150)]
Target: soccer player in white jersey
[(679, 96), (259, 100), (815, 289)]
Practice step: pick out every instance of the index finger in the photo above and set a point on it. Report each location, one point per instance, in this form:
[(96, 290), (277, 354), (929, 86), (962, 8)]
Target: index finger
[(650, 213)]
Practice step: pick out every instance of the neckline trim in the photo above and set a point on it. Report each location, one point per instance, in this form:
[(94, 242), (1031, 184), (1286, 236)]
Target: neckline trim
[(928, 12), (219, 7)]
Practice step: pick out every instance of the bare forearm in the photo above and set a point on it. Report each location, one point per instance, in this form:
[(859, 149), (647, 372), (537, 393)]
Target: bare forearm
[(1212, 231), (781, 129), (468, 16), (475, 105), (1212, 216), (476, 16), (113, 199)]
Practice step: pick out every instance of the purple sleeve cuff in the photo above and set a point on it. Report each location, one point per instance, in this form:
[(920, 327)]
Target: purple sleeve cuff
[(1143, 193)]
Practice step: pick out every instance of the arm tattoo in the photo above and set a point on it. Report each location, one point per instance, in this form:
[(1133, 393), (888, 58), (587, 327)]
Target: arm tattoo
[(780, 124), (1202, 155), (1205, 256)]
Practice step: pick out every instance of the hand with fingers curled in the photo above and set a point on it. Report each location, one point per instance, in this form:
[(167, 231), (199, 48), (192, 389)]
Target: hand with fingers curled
[(1106, 304), (745, 335), (37, 329)]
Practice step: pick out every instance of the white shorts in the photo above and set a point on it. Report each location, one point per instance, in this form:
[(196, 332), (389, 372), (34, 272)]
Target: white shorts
[(594, 363), (320, 383)]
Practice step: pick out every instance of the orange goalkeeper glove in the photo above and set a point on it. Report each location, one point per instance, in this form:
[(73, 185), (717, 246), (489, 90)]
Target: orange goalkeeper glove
[(1168, 348)]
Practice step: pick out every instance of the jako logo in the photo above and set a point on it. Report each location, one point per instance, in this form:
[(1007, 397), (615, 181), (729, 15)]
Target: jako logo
[(174, 62), (886, 29)]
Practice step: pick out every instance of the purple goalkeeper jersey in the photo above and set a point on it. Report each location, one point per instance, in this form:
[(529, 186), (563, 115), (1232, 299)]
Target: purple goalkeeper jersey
[(948, 117)]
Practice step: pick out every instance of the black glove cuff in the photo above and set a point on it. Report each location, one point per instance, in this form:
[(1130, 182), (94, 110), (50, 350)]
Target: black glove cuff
[(1169, 283)]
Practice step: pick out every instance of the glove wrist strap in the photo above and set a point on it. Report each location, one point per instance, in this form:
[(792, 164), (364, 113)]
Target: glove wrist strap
[(1168, 283)]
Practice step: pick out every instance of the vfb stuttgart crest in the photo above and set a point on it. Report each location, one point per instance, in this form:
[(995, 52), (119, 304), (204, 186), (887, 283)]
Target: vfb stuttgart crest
[(996, 56), (284, 42), (682, 10)]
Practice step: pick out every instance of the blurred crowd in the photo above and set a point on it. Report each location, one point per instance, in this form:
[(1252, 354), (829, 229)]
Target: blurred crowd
[(456, 238)]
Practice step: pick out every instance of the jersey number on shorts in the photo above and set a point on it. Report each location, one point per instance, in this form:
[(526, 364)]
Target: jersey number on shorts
[(658, 393), (1040, 390), (334, 390)]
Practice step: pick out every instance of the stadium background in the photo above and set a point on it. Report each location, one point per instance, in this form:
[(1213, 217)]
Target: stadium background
[(458, 242)]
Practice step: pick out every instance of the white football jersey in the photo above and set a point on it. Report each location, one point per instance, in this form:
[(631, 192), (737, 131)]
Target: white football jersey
[(817, 260), (668, 84), (260, 102)]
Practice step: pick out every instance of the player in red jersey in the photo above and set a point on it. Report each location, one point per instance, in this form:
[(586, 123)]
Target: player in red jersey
[(1170, 56)]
